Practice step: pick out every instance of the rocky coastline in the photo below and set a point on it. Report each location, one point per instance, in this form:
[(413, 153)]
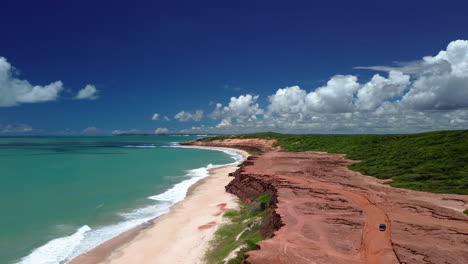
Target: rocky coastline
[(324, 213)]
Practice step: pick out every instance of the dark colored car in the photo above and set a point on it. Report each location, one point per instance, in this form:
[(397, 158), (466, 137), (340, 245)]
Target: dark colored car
[(382, 227)]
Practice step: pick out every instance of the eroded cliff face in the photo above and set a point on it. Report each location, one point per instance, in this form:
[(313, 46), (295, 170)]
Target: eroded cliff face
[(246, 187), (325, 213)]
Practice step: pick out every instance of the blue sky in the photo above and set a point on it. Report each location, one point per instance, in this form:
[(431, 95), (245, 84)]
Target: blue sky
[(145, 57)]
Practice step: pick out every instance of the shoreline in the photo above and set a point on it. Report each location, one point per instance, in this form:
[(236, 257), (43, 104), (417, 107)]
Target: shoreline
[(145, 243)]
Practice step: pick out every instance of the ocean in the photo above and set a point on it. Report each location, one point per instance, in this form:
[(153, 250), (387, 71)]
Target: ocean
[(62, 196)]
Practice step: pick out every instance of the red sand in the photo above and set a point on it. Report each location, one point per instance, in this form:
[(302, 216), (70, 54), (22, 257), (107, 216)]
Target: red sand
[(332, 214), (208, 225), (222, 209)]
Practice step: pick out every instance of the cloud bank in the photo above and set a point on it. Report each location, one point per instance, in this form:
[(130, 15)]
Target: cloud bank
[(428, 94)]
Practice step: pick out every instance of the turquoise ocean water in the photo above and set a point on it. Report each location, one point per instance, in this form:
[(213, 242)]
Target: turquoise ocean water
[(61, 196)]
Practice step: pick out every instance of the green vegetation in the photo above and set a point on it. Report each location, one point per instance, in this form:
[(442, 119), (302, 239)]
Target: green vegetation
[(466, 211), (242, 231), (433, 162)]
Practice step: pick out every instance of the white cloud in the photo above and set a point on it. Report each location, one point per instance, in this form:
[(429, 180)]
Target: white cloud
[(183, 116), (241, 108), (131, 131), (15, 128), (89, 92), (289, 100), (224, 123), (438, 82), (14, 91), (89, 130), (155, 116), (167, 118), (336, 97), (444, 82), (161, 130), (456, 55), (380, 89)]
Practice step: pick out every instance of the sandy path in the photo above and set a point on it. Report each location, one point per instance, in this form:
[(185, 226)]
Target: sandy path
[(180, 236), (376, 246)]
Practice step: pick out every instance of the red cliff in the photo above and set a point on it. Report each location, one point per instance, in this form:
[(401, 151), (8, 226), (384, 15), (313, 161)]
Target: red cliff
[(326, 213)]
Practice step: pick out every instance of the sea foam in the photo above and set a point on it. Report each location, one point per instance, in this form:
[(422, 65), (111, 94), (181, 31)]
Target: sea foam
[(57, 250), (179, 191), (64, 249)]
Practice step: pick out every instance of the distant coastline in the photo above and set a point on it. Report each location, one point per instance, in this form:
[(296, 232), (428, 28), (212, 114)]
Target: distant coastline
[(168, 135)]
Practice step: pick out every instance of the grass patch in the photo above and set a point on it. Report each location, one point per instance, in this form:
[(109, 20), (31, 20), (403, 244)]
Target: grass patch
[(243, 229), (432, 162), (264, 199)]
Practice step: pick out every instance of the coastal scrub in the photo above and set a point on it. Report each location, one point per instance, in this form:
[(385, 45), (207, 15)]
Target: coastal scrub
[(432, 162), (241, 232)]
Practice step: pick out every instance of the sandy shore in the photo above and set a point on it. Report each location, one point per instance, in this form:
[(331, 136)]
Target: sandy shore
[(180, 236)]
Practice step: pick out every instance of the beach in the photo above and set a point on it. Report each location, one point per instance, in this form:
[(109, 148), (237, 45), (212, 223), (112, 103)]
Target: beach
[(180, 236)]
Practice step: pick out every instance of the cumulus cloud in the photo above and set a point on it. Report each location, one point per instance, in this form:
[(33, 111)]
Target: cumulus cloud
[(89, 92), (289, 100), (336, 97), (89, 130), (241, 108), (155, 116), (438, 82), (444, 82), (167, 118), (380, 89), (224, 123), (183, 116), (14, 91), (161, 130)]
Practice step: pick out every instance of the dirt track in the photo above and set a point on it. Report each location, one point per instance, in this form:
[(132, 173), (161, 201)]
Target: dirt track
[(331, 215)]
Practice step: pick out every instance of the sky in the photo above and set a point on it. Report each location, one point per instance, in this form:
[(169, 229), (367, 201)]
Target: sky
[(108, 67)]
